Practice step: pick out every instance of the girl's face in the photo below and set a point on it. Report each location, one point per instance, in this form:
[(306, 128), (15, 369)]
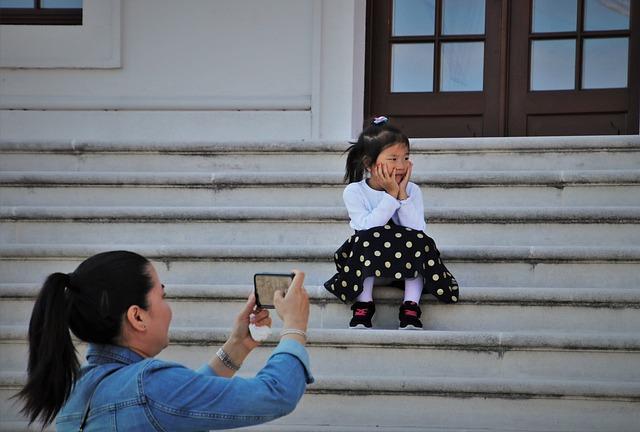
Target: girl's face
[(395, 156)]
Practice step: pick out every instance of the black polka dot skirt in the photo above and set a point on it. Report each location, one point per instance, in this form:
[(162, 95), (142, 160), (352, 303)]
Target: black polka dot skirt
[(394, 252)]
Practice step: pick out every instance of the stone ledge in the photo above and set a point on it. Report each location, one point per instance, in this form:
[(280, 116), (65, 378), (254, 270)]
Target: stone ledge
[(553, 178), (399, 339), (323, 253), (465, 145), (506, 296), (612, 214), (448, 386)]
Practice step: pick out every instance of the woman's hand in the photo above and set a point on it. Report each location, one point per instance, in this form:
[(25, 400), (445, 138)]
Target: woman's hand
[(402, 194), (240, 342), (386, 179), (293, 308)]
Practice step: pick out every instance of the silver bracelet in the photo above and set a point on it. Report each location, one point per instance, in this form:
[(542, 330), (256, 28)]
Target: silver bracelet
[(226, 360), (293, 331)]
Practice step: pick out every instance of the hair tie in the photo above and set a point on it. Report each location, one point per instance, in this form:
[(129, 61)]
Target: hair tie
[(379, 120)]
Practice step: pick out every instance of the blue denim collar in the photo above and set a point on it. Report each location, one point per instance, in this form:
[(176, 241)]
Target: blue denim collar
[(102, 354)]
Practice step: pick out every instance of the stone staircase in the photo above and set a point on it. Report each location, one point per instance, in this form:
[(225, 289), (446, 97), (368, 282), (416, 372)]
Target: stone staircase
[(541, 233)]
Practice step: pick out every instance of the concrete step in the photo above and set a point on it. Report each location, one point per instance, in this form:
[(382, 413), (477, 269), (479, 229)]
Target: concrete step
[(616, 226), (577, 267), (480, 308), (292, 195), (428, 155), (340, 354)]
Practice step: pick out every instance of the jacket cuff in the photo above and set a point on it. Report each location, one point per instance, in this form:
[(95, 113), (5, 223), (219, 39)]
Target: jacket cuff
[(296, 349)]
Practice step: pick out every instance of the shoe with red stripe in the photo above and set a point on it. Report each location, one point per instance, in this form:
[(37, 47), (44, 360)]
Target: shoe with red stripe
[(410, 316), (362, 314)]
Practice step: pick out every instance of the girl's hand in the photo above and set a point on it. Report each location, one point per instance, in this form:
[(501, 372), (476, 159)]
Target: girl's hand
[(386, 179), (402, 195)]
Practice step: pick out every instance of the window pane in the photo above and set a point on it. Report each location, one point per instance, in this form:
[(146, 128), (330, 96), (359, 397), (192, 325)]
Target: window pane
[(606, 14), (412, 67), (61, 4), (462, 66), (553, 64), (605, 63), (463, 17), (16, 3), (554, 15), (413, 17)]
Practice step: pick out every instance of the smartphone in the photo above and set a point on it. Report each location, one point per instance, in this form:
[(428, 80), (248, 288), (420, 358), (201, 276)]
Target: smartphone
[(266, 284)]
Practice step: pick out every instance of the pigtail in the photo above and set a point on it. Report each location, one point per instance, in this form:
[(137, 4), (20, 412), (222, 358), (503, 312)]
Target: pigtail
[(354, 168), (53, 364)]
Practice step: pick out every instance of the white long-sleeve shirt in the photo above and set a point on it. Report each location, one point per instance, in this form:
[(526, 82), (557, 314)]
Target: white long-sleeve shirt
[(369, 208)]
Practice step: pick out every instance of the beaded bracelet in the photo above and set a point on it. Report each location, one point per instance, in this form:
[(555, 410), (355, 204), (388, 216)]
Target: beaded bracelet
[(293, 331), (226, 360)]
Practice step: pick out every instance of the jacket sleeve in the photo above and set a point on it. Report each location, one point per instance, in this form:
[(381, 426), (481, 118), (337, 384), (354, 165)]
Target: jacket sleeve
[(411, 211), (361, 217), (183, 399)]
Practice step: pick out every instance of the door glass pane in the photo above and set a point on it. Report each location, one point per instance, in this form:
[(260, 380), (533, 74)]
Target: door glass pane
[(61, 4), (462, 66), (413, 17), (16, 3), (606, 14), (554, 16), (462, 17), (553, 64), (605, 63), (412, 67)]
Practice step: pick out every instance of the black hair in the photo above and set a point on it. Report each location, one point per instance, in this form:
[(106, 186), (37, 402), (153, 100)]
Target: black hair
[(378, 135), (91, 302)]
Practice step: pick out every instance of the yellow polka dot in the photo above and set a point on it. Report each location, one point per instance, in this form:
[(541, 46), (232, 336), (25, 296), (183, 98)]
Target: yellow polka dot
[(408, 229), (333, 287), (356, 239), (358, 273), (418, 253), (415, 274), (398, 235), (455, 288), (387, 264), (355, 287), (376, 234), (431, 263), (440, 291), (339, 266), (336, 256), (361, 258), (367, 263), (343, 297), (408, 265), (377, 253), (387, 244), (420, 235), (365, 244), (344, 255), (387, 227), (426, 248), (398, 275), (454, 298), (378, 273), (398, 255), (344, 284), (409, 244), (350, 254), (346, 269), (435, 277)]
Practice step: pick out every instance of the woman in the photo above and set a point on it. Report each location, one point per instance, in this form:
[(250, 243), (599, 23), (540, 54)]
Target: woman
[(115, 302)]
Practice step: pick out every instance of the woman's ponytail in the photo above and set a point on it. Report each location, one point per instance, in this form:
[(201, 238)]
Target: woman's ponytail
[(53, 364)]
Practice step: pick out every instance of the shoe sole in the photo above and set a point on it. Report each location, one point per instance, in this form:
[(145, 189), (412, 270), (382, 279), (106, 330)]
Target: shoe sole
[(410, 327), (360, 327)]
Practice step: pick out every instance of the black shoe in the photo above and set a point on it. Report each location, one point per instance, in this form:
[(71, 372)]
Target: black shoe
[(362, 314), (410, 316)]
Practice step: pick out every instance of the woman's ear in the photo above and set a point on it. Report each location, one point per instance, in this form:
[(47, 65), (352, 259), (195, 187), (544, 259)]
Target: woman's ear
[(136, 318)]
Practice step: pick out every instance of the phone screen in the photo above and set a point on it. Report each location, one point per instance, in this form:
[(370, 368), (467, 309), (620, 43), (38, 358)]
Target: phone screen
[(266, 284)]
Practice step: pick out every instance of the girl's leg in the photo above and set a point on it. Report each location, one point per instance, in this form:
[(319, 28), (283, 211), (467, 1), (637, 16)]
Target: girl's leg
[(367, 290), (412, 289)]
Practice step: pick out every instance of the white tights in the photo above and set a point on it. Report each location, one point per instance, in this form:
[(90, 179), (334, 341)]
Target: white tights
[(412, 290)]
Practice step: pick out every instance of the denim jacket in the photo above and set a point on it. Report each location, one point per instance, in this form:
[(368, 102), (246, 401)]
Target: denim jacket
[(132, 393)]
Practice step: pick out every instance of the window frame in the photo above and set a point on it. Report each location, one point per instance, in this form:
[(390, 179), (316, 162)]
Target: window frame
[(37, 15)]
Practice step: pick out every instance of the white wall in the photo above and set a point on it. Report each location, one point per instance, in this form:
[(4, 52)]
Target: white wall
[(192, 70)]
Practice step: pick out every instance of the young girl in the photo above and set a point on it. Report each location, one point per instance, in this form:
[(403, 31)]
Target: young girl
[(387, 214)]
